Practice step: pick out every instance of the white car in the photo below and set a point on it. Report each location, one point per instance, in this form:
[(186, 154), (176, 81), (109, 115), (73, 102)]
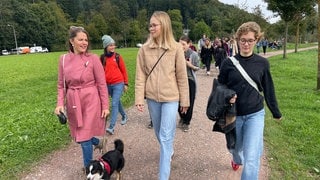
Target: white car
[(5, 52), (44, 50)]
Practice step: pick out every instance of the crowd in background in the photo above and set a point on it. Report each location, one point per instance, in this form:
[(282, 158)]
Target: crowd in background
[(218, 49)]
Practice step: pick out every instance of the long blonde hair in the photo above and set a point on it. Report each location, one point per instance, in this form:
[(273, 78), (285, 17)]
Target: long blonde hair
[(166, 39)]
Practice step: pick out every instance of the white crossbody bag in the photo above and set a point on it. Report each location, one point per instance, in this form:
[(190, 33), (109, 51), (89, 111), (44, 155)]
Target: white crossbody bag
[(244, 73)]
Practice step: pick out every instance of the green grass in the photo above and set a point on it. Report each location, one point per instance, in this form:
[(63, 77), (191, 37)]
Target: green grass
[(293, 144), (29, 130)]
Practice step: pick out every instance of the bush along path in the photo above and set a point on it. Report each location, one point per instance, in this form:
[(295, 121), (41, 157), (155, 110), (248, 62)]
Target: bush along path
[(200, 153)]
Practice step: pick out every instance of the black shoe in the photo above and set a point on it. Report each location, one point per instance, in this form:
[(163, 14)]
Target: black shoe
[(185, 128)]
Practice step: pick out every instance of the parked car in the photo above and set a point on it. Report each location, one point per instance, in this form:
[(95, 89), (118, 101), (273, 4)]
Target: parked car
[(35, 49), (5, 52), (44, 50)]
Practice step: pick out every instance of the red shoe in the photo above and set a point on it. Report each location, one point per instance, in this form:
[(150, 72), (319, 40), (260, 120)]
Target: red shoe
[(234, 165)]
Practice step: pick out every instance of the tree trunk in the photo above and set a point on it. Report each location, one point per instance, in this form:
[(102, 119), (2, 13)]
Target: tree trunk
[(297, 38), (318, 79), (285, 41)]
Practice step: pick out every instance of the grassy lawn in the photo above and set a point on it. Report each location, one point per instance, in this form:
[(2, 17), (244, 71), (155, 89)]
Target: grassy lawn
[(293, 144), (29, 129)]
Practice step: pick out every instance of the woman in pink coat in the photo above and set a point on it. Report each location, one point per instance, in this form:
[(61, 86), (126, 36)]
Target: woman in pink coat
[(86, 96)]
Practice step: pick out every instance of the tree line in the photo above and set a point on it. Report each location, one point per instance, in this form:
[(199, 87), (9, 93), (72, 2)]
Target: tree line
[(46, 22)]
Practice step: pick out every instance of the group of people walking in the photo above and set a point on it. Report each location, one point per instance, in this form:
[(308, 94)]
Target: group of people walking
[(217, 50), (166, 81)]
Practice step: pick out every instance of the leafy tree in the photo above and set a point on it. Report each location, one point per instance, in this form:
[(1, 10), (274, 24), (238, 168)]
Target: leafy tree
[(291, 11), (176, 21), (97, 28), (318, 79), (143, 23), (202, 28), (134, 34)]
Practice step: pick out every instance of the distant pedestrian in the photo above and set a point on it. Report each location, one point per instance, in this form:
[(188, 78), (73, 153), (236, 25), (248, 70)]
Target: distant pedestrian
[(206, 55), (258, 45), (219, 54), (264, 44), (233, 47), (201, 41)]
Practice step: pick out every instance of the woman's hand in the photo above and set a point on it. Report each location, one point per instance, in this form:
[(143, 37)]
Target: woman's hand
[(58, 110), (105, 113), (140, 107), (125, 88), (184, 110)]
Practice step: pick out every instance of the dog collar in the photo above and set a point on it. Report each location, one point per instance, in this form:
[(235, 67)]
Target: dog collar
[(106, 165)]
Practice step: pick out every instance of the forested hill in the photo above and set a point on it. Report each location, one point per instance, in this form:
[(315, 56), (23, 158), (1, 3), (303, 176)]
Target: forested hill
[(46, 22)]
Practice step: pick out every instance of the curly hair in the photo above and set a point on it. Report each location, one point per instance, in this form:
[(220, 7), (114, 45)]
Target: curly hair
[(249, 27)]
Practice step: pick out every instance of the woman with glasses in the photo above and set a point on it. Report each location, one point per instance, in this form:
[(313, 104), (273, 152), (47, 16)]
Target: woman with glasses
[(82, 84), (249, 102), (161, 78)]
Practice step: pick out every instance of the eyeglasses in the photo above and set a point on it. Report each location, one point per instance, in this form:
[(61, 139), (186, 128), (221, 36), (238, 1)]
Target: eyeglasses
[(153, 25), (76, 28), (249, 41)]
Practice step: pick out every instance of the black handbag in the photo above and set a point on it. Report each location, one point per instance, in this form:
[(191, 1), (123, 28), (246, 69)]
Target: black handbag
[(62, 118)]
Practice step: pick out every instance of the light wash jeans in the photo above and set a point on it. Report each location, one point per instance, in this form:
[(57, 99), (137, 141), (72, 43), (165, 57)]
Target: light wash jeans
[(115, 91), (249, 144), (87, 150), (164, 116)]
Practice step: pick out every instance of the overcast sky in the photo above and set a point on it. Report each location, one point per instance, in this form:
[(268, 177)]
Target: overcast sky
[(250, 4)]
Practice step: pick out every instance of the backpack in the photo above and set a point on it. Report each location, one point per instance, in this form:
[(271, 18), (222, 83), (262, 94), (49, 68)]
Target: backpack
[(103, 59)]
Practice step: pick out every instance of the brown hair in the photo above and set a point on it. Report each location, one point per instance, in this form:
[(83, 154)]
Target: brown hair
[(73, 31), (249, 27), (185, 38)]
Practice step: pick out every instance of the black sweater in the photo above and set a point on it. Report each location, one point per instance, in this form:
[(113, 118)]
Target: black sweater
[(248, 99)]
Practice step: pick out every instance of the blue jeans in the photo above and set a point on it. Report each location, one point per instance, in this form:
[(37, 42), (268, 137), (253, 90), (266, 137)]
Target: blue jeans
[(249, 144), (115, 91), (163, 116), (87, 150)]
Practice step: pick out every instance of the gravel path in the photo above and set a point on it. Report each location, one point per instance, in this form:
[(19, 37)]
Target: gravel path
[(200, 154)]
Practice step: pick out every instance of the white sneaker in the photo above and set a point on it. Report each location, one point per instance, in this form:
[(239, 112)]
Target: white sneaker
[(208, 73)]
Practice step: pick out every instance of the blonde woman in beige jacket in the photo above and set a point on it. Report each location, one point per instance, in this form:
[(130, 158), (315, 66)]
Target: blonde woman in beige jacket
[(163, 84)]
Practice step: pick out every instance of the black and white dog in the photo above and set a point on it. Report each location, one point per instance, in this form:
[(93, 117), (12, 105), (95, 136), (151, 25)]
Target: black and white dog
[(107, 164)]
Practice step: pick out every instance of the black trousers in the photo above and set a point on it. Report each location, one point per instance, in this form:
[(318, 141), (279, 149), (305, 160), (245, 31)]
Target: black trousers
[(186, 118), (264, 48)]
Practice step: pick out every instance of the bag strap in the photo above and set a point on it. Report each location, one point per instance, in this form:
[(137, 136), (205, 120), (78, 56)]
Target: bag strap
[(64, 78), (156, 63), (244, 73)]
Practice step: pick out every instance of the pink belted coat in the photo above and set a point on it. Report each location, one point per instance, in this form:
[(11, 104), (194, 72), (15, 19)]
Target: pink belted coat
[(86, 94)]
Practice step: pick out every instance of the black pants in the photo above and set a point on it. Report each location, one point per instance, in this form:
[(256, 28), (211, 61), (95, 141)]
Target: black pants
[(208, 64), (264, 48), (186, 118)]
